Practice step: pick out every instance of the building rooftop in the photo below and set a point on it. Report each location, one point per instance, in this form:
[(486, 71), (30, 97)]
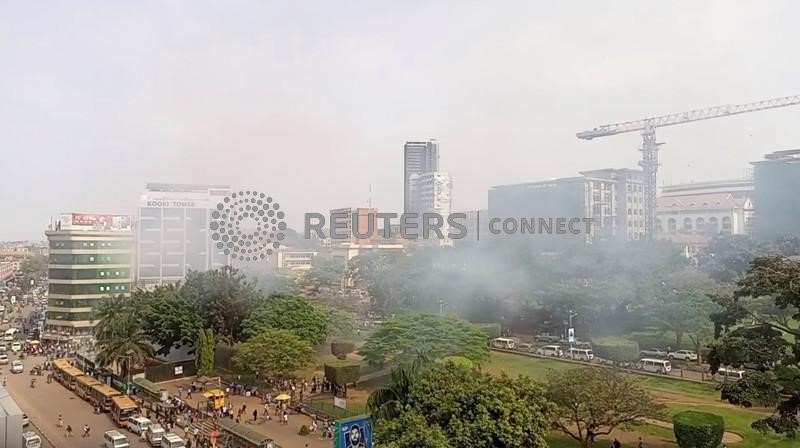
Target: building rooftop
[(709, 200), (713, 186), (185, 188), (789, 155)]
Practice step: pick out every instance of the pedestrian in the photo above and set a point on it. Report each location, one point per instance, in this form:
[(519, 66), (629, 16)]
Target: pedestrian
[(616, 444), (641, 443), (188, 443), (86, 430), (60, 421), (196, 432), (68, 432), (255, 415), (285, 418)]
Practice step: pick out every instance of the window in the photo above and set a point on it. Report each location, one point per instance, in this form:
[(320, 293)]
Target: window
[(687, 224), (726, 224), (671, 225), (713, 225), (91, 258), (701, 224)]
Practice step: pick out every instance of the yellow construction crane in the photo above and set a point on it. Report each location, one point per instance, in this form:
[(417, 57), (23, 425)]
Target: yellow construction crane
[(649, 148)]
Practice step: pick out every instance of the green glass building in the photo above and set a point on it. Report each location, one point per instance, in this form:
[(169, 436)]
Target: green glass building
[(776, 200), (85, 267)]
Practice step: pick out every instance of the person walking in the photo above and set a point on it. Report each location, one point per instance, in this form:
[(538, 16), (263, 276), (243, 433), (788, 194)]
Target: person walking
[(640, 444), (68, 431), (255, 415), (616, 444), (60, 421), (86, 430)]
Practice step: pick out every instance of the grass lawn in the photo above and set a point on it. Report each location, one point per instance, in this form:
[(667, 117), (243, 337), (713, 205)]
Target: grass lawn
[(678, 395)]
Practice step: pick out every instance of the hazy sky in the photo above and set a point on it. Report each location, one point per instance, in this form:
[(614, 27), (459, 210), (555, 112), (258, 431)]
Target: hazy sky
[(312, 101)]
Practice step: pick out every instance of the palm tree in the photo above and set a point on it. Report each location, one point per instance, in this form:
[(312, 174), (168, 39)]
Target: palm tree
[(109, 312), (125, 345), (390, 400)]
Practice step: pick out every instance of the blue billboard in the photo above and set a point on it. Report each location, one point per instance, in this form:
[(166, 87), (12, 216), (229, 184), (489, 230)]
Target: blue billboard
[(353, 432)]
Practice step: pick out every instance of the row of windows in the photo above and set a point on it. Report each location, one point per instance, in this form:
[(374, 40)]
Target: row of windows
[(700, 224), (119, 288), (60, 315), (87, 274), (89, 259), (90, 244), (74, 303)]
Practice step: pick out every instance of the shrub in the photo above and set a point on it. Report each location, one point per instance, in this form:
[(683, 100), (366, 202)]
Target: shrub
[(304, 431), (616, 349), (492, 330), (698, 429), (342, 349), (342, 373), (459, 361)]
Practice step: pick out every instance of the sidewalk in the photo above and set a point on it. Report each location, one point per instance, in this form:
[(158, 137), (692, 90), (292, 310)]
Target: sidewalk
[(286, 436)]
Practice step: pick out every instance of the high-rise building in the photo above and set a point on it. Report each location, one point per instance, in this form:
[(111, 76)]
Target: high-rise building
[(418, 158), (89, 260), (612, 198), (431, 193), (365, 220), (173, 234), (776, 199)]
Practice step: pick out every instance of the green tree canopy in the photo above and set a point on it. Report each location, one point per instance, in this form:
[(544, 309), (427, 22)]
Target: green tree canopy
[(476, 410), (751, 329), (402, 338), (274, 353), (169, 317), (297, 314), (593, 401)]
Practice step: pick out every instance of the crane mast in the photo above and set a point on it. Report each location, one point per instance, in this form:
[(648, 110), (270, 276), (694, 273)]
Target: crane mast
[(649, 149)]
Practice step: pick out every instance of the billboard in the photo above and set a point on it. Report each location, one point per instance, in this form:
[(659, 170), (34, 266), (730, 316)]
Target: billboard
[(95, 221), (353, 432)]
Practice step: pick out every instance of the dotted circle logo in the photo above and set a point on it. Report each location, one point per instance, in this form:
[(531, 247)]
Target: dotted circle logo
[(248, 225)]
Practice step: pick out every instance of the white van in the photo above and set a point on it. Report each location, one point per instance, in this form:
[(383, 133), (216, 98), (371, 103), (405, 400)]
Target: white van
[(656, 365), (9, 334), (154, 434), (724, 374), (115, 439), (138, 424), (31, 440), (581, 354), (171, 440), (504, 343), (550, 350)]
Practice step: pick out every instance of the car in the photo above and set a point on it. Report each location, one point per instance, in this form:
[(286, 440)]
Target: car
[(683, 355), (17, 367), (525, 346), (3, 358), (16, 347), (653, 353), (3, 348)]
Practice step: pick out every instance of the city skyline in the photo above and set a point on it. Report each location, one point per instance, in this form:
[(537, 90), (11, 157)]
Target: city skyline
[(96, 104)]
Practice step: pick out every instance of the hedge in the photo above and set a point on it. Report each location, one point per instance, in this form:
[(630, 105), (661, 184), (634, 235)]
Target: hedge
[(342, 373), (492, 330), (616, 349), (342, 349), (698, 429)]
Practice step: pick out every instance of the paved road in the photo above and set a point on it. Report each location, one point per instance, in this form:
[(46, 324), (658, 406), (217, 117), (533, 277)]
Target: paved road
[(44, 403)]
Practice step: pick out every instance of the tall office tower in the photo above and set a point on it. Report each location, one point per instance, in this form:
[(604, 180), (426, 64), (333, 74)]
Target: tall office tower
[(776, 199), (90, 260), (173, 234), (431, 193), (418, 158)]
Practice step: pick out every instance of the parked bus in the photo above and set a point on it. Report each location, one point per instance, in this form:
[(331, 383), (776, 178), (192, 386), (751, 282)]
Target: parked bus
[(726, 375), (122, 407), (84, 385), (70, 377), (150, 390), (101, 396)]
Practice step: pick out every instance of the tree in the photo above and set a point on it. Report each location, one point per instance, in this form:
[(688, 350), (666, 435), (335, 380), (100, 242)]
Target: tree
[(274, 353), (698, 429), (477, 410), (297, 314), (325, 273), (748, 329), (401, 338), (727, 258), (205, 352), (391, 400), (32, 268), (121, 341), (169, 317), (409, 430), (593, 401), (224, 298)]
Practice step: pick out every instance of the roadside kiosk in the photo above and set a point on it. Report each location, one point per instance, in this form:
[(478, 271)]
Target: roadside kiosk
[(216, 399)]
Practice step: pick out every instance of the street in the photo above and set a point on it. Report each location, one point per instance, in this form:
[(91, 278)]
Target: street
[(45, 402)]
